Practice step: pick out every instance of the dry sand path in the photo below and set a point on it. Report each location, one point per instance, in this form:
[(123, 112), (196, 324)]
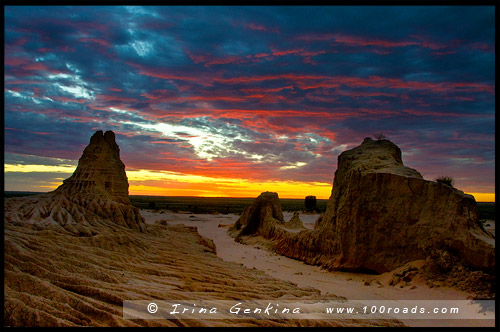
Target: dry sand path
[(349, 285)]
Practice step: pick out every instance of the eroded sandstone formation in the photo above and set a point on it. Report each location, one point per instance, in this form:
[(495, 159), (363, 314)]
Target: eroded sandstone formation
[(382, 214), (265, 217), (261, 216), (100, 170), (96, 194), (294, 222)]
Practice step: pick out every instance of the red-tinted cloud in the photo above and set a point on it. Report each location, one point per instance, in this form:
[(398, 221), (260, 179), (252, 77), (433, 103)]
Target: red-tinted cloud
[(358, 40), (261, 27), (98, 41), (21, 66)]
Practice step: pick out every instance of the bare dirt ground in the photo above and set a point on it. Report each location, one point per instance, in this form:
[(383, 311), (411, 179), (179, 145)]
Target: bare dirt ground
[(54, 278), (353, 286)]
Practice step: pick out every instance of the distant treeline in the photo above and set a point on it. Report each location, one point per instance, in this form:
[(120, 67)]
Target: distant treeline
[(486, 210), (228, 205), (213, 204), (236, 205), (8, 194)]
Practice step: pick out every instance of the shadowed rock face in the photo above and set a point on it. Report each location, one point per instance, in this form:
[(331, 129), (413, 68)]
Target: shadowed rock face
[(382, 214), (95, 195)]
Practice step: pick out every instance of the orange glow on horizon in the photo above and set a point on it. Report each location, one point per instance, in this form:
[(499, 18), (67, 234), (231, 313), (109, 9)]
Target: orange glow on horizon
[(166, 183), (240, 190), (484, 197), (163, 183), (296, 190)]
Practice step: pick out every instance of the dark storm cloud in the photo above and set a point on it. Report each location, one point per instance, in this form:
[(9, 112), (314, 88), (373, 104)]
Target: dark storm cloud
[(259, 92)]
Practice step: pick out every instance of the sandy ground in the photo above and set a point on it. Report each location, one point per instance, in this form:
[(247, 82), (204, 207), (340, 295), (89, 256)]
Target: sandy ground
[(54, 278), (349, 285)]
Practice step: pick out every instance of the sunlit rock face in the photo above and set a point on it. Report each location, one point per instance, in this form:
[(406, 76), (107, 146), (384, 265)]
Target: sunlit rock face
[(265, 209), (265, 217), (100, 170), (382, 214), (95, 195)]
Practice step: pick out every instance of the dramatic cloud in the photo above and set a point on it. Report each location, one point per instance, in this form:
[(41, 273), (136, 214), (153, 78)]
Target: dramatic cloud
[(232, 100)]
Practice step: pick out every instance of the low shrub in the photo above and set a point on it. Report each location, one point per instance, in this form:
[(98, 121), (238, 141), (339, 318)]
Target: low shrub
[(447, 180)]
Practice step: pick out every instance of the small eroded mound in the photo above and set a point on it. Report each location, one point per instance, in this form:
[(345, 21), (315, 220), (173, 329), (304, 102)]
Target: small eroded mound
[(265, 217)]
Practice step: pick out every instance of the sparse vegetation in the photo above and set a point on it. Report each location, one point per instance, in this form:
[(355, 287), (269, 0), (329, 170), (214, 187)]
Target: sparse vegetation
[(214, 204), (447, 180), (379, 136)]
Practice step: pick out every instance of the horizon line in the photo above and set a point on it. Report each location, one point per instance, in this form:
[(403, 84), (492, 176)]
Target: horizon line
[(246, 197)]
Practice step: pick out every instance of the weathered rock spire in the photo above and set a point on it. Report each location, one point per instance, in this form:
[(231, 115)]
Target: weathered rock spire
[(95, 195), (100, 169)]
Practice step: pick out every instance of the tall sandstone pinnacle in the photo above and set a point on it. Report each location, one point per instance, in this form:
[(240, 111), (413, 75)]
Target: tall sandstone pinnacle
[(382, 214), (100, 170), (95, 195)]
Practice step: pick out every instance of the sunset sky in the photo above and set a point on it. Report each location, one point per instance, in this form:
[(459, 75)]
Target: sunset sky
[(234, 101)]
